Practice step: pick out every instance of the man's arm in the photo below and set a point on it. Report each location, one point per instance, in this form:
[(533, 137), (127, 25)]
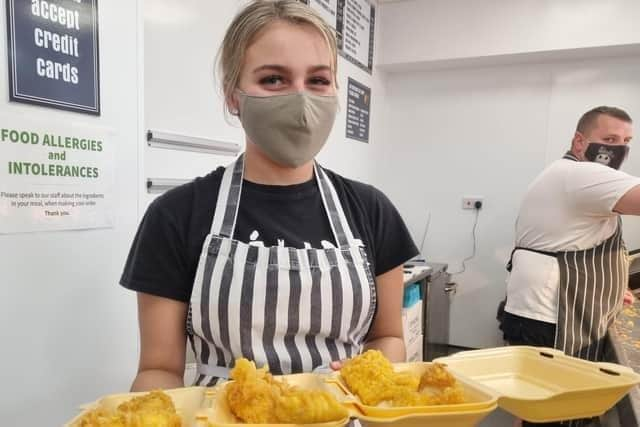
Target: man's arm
[(629, 204)]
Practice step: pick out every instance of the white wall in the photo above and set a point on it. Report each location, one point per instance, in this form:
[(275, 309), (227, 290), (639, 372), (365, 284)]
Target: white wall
[(69, 332), (179, 91), (421, 31), (489, 132)]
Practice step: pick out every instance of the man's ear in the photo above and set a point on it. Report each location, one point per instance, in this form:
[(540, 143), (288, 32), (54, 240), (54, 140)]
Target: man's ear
[(579, 145)]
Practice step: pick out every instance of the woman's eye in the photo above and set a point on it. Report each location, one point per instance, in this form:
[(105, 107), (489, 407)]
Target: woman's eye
[(271, 80), (319, 81)]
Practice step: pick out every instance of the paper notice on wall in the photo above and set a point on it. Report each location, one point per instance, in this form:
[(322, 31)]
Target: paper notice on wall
[(328, 9), (356, 32), (54, 176)]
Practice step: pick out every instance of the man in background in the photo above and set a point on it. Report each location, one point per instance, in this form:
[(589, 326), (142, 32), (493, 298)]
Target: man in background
[(569, 268)]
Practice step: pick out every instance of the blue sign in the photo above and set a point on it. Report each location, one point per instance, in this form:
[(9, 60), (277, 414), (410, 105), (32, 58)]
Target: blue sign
[(53, 53)]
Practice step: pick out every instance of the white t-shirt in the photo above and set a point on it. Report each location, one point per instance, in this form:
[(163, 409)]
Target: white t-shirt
[(568, 207)]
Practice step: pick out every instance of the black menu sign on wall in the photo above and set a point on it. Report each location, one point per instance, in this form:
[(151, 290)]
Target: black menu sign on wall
[(358, 111), (53, 53), (354, 22)]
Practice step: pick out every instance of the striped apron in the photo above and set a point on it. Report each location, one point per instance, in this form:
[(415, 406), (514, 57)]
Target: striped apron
[(292, 309), (590, 296)]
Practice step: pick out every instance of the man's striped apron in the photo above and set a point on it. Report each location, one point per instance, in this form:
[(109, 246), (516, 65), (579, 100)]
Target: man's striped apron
[(590, 295), (293, 309), (592, 286)]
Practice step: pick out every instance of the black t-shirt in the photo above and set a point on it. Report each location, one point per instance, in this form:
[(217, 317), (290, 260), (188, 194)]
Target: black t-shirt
[(164, 255)]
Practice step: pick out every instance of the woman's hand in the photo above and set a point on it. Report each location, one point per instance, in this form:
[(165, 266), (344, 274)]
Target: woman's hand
[(386, 332), (336, 365), (629, 298)]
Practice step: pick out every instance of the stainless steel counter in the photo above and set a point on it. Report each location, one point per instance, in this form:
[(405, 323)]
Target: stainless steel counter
[(436, 292)]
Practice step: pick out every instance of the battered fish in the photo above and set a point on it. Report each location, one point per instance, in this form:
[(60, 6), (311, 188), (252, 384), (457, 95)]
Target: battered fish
[(256, 397), (441, 385), (436, 375), (100, 418), (372, 378), (153, 409)]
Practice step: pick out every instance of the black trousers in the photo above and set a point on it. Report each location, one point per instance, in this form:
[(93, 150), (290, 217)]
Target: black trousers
[(519, 330)]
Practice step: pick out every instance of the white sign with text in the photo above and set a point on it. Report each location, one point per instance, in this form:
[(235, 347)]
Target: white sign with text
[(328, 9), (357, 30), (54, 176)]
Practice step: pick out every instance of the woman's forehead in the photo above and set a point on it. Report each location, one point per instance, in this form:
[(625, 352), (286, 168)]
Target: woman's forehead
[(288, 44)]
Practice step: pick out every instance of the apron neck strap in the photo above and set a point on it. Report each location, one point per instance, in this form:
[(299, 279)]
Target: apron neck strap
[(226, 213), (224, 219), (337, 219)]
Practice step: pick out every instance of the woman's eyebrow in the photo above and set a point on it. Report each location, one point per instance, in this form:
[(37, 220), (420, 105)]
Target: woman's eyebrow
[(317, 68), (271, 67)]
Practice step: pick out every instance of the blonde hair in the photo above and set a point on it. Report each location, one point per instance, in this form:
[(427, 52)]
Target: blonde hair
[(254, 18)]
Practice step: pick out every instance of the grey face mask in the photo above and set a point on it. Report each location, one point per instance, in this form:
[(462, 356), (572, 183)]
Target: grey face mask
[(291, 129)]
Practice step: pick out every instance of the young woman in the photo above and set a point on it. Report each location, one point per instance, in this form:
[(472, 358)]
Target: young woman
[(273, 258)]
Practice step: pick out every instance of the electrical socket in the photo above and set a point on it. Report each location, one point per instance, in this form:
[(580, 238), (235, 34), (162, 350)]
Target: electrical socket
[(469, 202)]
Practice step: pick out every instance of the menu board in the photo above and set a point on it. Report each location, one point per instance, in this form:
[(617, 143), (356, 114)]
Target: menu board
[(356, 31), (354, 22), (328, 9), (358, 111)]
